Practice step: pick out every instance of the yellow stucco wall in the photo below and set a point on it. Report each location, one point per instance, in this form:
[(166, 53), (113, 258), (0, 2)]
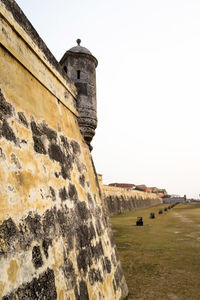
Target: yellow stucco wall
[(111, 190), (118, 200), (55, 240)]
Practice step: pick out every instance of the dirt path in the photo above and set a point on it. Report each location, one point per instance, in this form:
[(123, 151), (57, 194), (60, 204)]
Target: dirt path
[(182, 218)]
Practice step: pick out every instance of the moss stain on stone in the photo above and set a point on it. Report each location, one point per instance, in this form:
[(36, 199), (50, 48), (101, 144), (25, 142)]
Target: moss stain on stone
[(7, 132), (23, 119), (37, 257), (42, 287)]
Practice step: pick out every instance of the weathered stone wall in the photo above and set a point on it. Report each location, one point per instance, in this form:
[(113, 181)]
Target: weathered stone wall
[(119, 200), (55, 238)]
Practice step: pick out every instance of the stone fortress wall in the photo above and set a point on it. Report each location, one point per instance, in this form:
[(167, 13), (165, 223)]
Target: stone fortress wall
[(120, 200), (55, 237)]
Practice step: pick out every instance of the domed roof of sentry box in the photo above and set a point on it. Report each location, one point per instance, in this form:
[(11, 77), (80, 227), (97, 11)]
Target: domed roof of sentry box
[(79, 49)]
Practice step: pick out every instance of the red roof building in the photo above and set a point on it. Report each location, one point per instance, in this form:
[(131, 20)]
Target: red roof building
[(123, 185)]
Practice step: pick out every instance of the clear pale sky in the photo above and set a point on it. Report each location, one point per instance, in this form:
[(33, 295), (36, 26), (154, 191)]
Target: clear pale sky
[(148, 83)]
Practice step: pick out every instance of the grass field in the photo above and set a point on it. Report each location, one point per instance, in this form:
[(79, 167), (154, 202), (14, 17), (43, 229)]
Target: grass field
[(160, 260)]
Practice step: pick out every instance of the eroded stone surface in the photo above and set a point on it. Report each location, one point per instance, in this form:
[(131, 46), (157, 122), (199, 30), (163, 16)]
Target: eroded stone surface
[(54, 234), (79, 222), (39, 288)]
